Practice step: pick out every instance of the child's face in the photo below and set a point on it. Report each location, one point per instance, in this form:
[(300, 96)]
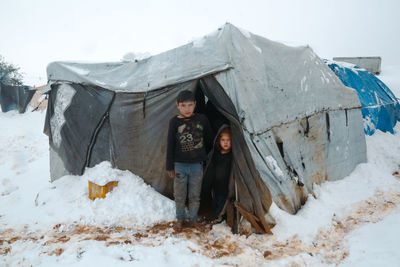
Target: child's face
[(186, 108), (225, 142)]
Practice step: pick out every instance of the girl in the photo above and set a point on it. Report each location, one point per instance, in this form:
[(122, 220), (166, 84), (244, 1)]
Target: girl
[(219, 169)]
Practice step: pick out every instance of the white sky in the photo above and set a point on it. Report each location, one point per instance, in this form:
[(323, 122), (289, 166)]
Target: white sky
[(35, 33)]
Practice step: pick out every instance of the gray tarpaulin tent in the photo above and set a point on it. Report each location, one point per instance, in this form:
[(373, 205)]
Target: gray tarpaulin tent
[(294, 123), (15, 97)]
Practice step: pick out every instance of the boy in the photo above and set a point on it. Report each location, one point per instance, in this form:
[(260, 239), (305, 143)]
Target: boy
[(189, 134)]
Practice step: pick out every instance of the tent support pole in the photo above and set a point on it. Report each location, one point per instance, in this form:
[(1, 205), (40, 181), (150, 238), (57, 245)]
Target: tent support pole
[(237, 211)]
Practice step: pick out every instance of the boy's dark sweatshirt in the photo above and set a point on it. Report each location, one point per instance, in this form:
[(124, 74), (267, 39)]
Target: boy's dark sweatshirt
[(189, 139)]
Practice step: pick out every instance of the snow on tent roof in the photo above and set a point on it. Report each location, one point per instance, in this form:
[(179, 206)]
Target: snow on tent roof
[(269, 83), (380, 107)]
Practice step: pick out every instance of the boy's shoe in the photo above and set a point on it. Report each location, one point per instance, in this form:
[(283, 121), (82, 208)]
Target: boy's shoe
[(178, 226), (194, 224)]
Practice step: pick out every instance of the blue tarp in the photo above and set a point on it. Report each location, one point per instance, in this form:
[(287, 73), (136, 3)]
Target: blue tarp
[(380, 107)]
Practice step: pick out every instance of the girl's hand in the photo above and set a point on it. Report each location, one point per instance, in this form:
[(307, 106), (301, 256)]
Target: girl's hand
[(171, 174)]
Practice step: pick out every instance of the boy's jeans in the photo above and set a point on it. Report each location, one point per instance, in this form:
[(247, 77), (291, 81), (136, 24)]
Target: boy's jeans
[(188, 176)]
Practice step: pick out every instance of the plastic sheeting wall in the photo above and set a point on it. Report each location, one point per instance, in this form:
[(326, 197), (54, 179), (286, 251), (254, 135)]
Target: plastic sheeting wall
[(88, 125), (74, 112), (294, 156), (139, 127)]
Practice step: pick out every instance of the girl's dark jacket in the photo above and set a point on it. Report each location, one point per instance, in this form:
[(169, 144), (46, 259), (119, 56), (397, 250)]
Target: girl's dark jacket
[(206, 189)]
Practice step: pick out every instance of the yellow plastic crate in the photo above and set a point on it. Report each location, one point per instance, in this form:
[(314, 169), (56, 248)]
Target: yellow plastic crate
[(100, 191)]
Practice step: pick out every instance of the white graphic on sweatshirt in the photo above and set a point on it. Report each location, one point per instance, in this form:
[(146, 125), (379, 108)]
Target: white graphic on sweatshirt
[(190, 136)]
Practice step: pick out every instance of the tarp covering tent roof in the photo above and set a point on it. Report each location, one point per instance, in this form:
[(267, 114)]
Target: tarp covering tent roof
[(380, 107), (15, 97), (293, 121)]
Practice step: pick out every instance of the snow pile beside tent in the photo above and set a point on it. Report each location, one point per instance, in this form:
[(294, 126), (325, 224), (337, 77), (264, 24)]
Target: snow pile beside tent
[(27, 196), (131, 203), (102, 174)]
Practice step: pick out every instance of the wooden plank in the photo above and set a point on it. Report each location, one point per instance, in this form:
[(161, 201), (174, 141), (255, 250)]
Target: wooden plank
[(250, 217)]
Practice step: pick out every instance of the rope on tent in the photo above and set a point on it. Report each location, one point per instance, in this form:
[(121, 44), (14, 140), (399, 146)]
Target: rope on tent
[(144, 105), (237, 211), (37, 107), (96, 131), (328, 126)]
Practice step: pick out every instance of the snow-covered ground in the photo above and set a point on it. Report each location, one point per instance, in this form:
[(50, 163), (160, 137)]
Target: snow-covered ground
[(351, 222)]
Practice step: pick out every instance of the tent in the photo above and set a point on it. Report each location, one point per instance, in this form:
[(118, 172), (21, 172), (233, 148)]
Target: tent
[(293, 122), (15, 97), (380, 107)]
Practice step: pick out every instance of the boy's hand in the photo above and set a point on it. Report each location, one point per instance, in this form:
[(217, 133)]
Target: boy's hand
[(171, 174)]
